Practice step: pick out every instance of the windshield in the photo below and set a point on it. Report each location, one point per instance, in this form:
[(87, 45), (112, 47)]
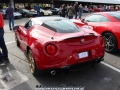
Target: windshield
[(42, 9), (61, 26), (25, 10)]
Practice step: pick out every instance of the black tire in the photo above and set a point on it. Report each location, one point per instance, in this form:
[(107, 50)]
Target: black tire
[(41, 14), (17, 42), (34, 70), (25, 15), (110, 41), (6, 17)]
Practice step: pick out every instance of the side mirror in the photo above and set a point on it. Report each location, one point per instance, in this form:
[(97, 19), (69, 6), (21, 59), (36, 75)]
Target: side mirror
[(83, 20), (16, 27)]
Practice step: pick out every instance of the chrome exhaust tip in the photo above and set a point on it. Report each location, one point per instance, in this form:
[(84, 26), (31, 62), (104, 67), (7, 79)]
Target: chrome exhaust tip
[(53, 72)]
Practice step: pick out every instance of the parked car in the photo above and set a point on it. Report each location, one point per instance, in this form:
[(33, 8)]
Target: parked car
[(45, 12), (57, 43), (95, 9), (27, 13), (86, 10), (16, 14), (107, 24), (55, 11)]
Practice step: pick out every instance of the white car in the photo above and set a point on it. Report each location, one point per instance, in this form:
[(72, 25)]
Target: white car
[(45, 12)]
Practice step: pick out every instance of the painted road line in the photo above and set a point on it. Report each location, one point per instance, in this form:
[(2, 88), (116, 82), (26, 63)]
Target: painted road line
[(110, 66), (9, 42)]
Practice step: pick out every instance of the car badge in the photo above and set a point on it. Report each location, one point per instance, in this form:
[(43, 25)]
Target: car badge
[(82, 41)]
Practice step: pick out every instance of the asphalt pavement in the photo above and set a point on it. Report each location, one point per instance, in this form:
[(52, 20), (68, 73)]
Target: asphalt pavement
[(17, 75)]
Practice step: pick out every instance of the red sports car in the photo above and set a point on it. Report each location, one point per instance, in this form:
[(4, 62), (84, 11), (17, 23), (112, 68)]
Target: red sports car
[(107, 24), (57, 43), (95, 9)]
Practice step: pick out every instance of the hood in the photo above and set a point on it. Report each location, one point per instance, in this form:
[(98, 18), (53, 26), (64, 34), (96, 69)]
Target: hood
[(17, 14)]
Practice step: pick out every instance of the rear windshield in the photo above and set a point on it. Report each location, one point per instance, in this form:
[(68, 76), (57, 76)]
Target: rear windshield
[(61, 26), (115, 15)]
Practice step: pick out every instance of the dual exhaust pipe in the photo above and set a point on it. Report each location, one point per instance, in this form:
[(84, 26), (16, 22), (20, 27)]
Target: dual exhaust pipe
[(53, 72)]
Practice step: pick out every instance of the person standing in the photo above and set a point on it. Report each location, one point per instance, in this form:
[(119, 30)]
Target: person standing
[(71, 12), (76, 9), (4, 53), (1, 6), (68, 6), (63, 11), (37, 8), (10, 15), (60, 11), (80, 11)]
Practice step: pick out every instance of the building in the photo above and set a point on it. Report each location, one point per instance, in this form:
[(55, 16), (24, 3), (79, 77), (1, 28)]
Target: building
[(58, 2)]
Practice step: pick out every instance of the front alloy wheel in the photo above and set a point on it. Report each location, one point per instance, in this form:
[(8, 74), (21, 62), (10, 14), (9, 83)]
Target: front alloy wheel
[(110, 42), (33, 66)]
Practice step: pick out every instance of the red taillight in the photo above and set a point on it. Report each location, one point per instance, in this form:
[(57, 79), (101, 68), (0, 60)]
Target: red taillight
[(101, 40), (51, 49)]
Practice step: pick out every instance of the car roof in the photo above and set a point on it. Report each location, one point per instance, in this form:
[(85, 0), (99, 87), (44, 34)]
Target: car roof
[(41, 20)]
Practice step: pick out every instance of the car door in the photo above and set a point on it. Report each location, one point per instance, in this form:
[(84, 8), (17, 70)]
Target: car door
[(93, 21), (104, 24), (24, 34)]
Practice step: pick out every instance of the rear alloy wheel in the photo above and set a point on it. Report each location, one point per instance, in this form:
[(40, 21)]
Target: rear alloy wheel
[(33, 66), (42, 14), (110, 42)]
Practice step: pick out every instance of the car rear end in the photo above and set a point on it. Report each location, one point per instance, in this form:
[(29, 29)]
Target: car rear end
[(69, 45), (65, 52)]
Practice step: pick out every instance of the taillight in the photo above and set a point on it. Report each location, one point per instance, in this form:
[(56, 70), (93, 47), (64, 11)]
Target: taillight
[(101, 40), (51, 49)]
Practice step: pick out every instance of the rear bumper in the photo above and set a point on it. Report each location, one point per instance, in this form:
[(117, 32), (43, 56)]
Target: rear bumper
[(75, 67), (67, 65)]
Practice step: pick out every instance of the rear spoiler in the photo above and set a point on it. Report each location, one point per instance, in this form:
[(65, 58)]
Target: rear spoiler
[(90, 34)]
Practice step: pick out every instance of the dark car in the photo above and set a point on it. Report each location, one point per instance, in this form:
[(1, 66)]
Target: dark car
[(54, 11), (1, 12), (16, 14), (27, 13)]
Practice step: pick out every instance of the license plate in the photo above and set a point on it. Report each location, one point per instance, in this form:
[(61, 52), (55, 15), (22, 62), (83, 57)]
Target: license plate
[(83, 54)]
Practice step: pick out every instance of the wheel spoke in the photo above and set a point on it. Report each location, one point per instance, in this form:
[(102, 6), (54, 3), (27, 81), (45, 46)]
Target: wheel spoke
[(111, 45), (107, 46), (110, 39), (105, 38)]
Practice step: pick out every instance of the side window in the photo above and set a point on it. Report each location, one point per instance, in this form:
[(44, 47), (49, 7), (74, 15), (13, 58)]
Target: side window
[(105, 20), (94, 18), (28, 25)]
